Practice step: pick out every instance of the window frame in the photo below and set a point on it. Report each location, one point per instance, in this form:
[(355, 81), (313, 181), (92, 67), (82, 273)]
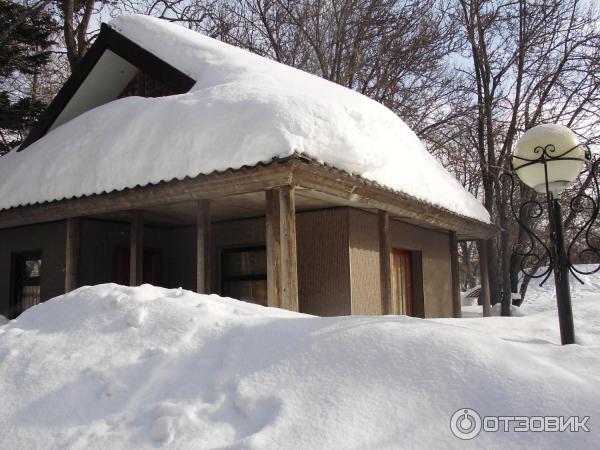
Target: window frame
[(239, 278), (18, 280)]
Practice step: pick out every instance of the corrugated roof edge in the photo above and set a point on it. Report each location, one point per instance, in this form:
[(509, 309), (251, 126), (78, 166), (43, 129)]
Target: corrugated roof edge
[(277, 160)]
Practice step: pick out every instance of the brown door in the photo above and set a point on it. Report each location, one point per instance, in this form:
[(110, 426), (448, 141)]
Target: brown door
[(403, 289), (152, 266)]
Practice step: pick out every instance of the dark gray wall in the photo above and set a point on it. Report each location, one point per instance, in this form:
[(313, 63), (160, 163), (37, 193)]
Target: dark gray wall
[(99, 243), (48, 238), (181, 259)]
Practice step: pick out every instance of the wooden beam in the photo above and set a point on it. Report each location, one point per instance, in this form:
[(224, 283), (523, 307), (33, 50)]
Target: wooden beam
[(136, 248), (455, 271), (485, 278), (385, 264), (213, 186), (203, 246), (365, 194), (73, 240), (273, 230), (289, 254), (344, 187)]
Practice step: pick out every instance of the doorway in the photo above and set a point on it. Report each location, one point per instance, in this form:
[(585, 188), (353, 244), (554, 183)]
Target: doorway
[(403, 281)]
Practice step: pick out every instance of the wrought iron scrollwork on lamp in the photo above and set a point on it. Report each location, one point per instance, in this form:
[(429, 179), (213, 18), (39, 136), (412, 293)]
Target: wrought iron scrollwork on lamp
[(548, 158)]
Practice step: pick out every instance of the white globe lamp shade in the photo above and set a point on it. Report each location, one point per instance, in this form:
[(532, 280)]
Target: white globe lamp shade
[(556, 146)]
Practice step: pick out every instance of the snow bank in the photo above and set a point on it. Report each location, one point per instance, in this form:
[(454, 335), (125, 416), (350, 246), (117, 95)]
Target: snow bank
[(118, 367), (243, 109), (543, 298), (3, 320)]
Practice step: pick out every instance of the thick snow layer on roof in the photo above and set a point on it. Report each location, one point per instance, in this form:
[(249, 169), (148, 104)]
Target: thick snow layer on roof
[(113, 367), (243, 109)]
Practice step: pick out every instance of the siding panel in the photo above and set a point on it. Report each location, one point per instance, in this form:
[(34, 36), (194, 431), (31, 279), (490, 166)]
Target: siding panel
[(324, 263), (364, 257), (365, 262)]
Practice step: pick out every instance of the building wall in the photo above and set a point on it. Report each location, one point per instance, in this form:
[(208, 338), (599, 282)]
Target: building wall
[(338, 257), (365, 264), (437, 272), (99, 243), (181, 258), (323, 260), (235, 233), (49, 238)]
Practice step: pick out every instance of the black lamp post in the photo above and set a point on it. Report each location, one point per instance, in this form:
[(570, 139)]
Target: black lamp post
[(548, 158)]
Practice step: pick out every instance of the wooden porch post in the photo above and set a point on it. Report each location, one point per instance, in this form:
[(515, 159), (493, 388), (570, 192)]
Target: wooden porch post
[(455, 270), (289, 253), (273, 248), (282, 255), (72, 253), (203, 246), (385, 264), (485, 278), (136, 248)]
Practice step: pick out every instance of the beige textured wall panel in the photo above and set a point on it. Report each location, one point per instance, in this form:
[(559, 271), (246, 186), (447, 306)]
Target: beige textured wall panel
[(365, 264), (364, 257), (437, 279), (323, 262)]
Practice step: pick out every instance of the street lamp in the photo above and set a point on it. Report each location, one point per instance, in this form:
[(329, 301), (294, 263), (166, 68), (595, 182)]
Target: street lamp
[(548, 158)]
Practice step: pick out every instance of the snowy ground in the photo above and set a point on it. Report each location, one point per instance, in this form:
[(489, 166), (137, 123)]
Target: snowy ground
[(111, 367)]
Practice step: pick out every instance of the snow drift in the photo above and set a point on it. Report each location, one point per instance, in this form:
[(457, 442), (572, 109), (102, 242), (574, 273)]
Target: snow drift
[(243, 110), (117, 367)]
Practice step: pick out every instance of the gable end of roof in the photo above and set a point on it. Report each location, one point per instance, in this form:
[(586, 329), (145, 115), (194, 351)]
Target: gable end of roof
[(108, 39)]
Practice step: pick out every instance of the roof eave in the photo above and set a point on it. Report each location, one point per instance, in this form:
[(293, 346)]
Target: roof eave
[(318, 176), (295, 170)]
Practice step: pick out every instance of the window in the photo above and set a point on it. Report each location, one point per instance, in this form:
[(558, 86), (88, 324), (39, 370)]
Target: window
[(143, 85), (403, 281), (27, 272), (244, 274)]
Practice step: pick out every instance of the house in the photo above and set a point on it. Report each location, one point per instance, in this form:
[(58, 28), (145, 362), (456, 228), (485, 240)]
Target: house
[(174, 159)]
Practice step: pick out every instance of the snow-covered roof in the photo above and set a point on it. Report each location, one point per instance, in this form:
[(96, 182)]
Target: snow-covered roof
[(242, 110)]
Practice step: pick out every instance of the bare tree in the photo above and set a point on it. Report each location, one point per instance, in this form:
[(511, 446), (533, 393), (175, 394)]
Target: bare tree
[(531, 63), (394, 52), (76, 17)]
